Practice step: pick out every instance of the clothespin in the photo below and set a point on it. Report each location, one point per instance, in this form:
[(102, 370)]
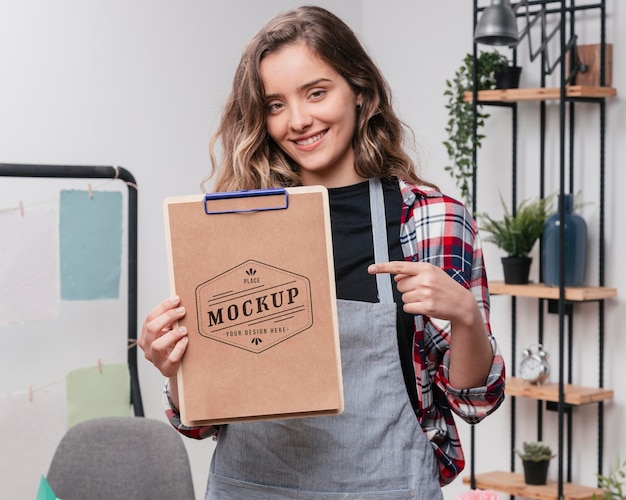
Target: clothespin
[(30, 392), (100, 365), (90, 189), (21, 208)]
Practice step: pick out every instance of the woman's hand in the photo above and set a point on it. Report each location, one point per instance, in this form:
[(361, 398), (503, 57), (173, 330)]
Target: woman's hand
[(162, 344), (429, 290)]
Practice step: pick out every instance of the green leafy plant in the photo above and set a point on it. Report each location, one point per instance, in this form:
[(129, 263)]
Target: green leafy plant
[(535, 451), (517, 234), (613, 485), (459, 126)]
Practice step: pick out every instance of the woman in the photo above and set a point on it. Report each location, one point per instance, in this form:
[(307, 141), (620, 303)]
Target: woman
[(308, 106)]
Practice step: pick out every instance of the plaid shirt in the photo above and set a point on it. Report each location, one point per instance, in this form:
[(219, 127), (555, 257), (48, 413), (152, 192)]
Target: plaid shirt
[(439, 230), (436, 229)]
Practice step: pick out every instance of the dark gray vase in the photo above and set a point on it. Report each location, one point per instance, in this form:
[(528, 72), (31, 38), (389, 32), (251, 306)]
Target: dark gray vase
[(575, 250)]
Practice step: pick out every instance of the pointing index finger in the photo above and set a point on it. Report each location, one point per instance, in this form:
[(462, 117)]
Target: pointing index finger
[(393, 267)]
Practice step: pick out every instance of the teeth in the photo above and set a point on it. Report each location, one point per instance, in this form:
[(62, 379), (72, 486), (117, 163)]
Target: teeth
[(310, 140)]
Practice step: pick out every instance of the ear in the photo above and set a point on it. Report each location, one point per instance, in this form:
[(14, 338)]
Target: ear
[(359, 101)]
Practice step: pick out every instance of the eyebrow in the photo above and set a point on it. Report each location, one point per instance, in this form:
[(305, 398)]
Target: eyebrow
[(304, 86)]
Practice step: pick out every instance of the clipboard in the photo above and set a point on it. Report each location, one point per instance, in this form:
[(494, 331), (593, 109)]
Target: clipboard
[(255, 271)]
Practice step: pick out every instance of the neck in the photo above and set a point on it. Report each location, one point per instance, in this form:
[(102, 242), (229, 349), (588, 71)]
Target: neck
[(331, 181)]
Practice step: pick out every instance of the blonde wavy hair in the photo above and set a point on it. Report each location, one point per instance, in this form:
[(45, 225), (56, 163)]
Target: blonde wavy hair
[(250, 159)]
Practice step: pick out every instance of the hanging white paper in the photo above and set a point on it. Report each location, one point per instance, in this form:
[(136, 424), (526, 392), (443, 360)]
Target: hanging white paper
[(29, 269), (30, 431)]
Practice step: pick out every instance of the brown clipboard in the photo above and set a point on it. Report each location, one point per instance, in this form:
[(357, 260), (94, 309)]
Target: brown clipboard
[(254, 269)]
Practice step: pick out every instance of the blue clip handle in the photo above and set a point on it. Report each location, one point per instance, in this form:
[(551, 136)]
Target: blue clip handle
[(247, 194)]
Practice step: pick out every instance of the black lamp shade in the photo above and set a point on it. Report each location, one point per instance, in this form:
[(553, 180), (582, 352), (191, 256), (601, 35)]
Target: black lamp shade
[(497, 25)]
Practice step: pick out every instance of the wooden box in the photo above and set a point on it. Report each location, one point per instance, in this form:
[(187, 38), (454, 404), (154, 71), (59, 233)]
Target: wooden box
[(589, 55)]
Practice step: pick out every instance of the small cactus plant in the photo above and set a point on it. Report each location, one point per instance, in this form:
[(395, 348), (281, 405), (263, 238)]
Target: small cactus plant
[(535, 452)]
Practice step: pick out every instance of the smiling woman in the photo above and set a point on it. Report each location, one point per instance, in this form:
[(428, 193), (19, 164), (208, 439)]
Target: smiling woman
[(311, 115), (308, 106), (251, 159)]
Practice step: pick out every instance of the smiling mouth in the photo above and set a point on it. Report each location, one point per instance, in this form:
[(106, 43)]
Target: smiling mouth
[(310, 140)]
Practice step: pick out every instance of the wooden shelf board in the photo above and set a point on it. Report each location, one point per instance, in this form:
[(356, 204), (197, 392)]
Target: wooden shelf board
[(574, 394), (513, 484), (541, 291), (539, 94)]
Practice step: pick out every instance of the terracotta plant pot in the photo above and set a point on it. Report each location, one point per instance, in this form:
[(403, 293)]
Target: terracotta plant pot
[(535, 472)]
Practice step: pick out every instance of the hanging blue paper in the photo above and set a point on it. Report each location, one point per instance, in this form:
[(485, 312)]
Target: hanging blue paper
[(90, 227)]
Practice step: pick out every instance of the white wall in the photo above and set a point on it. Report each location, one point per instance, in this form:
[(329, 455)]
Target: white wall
[(140, 84)]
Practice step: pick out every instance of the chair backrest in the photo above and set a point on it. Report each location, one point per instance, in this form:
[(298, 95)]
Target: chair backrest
[(121, 458)]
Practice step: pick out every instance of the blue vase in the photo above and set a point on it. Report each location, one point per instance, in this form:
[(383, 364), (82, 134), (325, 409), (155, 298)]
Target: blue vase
[(575, 247)]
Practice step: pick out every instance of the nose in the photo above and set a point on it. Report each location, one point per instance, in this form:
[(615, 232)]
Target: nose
[(299, 118)]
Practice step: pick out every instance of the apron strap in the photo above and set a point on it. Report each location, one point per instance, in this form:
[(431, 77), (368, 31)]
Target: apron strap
[(379, 231)]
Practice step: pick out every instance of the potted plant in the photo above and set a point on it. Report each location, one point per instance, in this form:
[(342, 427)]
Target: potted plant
[(507, 76), (459, 127), (614, 484), (516, 234), (536, 458)]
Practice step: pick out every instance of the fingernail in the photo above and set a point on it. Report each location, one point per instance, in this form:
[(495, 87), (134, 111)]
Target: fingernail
[(174, 299), (180, 310), (182, 329)]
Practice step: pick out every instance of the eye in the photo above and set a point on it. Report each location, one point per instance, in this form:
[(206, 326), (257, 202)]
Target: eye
[(317, 94), (274, 107)]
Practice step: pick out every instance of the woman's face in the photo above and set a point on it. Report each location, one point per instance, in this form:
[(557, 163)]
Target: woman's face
[(311, 115)]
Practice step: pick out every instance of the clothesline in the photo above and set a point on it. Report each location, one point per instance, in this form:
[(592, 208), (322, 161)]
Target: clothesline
[(30, 391), (21, 206)]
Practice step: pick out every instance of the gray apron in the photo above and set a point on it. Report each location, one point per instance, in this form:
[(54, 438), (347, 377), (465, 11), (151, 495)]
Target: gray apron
[(375, 449)]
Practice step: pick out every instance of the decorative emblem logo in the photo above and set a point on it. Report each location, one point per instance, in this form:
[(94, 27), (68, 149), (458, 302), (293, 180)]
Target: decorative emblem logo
[(254, 306)]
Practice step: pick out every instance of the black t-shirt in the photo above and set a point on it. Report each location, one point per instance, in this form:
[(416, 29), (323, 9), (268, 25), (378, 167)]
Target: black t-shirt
[(353, 248)]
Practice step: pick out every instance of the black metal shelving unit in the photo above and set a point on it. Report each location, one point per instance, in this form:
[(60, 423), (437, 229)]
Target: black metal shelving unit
[(561, 300)]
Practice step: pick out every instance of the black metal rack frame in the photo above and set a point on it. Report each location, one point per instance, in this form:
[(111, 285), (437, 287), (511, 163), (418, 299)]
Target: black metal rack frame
[(103, 172), (565, 11)]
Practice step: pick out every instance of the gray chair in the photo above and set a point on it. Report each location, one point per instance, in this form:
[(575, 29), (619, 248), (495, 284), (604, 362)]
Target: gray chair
[(121, 458)]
